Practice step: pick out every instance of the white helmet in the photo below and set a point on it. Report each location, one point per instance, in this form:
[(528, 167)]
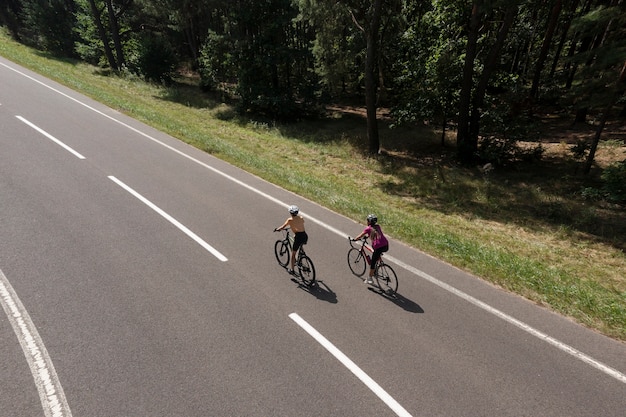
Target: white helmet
[(293, 210)]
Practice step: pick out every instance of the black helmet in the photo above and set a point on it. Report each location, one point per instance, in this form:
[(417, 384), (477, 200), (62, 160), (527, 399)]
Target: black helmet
[(293, 210), (372, 219)]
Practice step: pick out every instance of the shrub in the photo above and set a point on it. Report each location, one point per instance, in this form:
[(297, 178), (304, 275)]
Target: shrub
[(155, 59), (580, 150), (614, 182), (216, 61)]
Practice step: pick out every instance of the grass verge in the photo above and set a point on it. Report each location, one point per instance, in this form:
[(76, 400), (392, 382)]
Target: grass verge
[(524, 230)]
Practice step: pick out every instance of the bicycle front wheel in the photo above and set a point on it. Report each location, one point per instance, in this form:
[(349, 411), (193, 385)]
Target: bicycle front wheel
[(386, 279), (356, 262), (307, 270), (281, 249)]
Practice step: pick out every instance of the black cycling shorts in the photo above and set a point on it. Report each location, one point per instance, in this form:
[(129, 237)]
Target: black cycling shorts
[(377, 253), (299, 239)]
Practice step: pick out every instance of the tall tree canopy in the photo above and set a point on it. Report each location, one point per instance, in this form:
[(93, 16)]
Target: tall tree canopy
[(482, 66)]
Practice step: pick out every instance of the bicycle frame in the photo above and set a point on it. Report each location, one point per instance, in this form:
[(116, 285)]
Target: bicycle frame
[(289, 239), (363, 247)]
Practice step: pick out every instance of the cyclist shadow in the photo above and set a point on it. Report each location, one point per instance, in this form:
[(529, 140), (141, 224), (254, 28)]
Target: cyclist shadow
[(319, 289), (399, 300)]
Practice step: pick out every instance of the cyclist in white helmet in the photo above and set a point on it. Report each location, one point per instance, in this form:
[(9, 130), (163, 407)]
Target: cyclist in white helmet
[(296, 223)]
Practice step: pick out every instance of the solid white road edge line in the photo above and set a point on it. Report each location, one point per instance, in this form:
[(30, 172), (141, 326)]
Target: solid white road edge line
[(48, 385), (565, 348), (347, 362), (540, 335), (172, 220), (52, 138)]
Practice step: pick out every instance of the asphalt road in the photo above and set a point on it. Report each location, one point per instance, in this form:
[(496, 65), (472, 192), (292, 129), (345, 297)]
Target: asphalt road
[(137, 278)]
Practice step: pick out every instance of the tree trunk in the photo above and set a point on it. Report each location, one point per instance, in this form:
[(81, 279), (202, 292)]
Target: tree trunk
[(584, 44), (489, 68), (115, 34), (189, 29), (103, 36), (370, 76), (543, 53), (581, 115), (466, 148), (605, 115), (596, 140), (564, 36)]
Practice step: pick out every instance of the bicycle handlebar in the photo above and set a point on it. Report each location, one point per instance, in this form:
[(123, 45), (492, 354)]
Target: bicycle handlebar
[(363, 240)]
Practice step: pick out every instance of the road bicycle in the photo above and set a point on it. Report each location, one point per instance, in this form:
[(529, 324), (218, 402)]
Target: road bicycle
[(304, 264), (358, 260)]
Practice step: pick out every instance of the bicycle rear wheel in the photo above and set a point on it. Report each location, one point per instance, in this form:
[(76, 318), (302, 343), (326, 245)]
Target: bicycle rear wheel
[(386, 279), (307, 270), (281, 249), (356, 262)]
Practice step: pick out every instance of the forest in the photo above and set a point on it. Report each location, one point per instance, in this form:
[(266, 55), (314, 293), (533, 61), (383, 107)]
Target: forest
[(482, 69)]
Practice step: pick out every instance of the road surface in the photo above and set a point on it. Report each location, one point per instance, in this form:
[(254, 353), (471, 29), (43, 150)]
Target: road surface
[(137, 278)]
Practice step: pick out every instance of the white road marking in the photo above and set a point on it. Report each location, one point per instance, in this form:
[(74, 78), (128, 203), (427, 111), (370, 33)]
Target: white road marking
[(347, 362), (172, 220), (562, 346), (531, 330), (52, 138), (48, 385)]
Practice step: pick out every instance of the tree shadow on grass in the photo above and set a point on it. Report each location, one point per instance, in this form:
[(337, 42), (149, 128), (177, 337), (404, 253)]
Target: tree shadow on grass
[(63, 60), (544, 194), (190, 95), (539, 194)]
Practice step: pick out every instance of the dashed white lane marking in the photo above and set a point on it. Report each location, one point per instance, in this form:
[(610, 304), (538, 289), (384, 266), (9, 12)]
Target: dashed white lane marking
[(50, 391), (52, 138), (172, 220), (347, 362), (554, 342)]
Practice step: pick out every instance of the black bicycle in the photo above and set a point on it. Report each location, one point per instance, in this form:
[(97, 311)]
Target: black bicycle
[(359, 259), (304, 264)]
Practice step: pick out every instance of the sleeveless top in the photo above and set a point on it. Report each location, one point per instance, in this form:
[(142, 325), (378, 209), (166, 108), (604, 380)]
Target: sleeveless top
[(376, 235)]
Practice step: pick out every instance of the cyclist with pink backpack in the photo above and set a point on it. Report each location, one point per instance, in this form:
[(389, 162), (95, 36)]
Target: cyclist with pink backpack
[(380, 243)]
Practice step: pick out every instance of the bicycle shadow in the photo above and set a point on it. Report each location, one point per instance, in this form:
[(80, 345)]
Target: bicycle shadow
[(318, 289), (399, 300)]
